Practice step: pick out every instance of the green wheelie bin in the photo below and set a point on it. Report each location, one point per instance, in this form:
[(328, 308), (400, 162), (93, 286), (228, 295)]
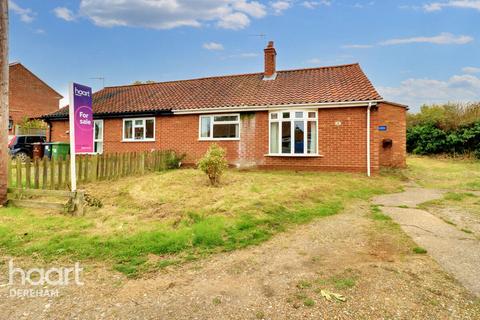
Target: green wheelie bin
[(60, 150)]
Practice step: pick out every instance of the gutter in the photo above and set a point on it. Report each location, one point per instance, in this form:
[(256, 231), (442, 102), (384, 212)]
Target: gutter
[(369, 107), (323, 105)]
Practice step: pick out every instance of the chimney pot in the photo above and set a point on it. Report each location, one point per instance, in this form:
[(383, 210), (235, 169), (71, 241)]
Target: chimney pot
[(270, 62)]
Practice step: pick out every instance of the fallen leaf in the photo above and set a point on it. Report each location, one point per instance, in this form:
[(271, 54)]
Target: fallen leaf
[(328, 295)]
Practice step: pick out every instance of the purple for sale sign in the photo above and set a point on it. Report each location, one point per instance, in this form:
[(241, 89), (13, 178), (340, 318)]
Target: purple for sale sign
[(81, 116)]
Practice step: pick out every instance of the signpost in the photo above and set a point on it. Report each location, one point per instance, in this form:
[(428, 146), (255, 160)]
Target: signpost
[(81, 126)]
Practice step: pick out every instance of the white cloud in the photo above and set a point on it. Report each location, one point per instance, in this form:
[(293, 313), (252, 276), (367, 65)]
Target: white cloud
[(471, 70), (26, 14), (214, 46), (252, 8), (280, 6), (40, 31), (357, 46), (64, 13), (463, 4), (443, 38), (168, 14), (415, 92), (315, 4), (234, 21)]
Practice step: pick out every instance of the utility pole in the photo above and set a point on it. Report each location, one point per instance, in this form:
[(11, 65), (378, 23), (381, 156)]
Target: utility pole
[(3, 100)]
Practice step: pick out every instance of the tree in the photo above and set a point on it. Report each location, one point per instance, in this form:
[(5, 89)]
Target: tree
[(3, 99)]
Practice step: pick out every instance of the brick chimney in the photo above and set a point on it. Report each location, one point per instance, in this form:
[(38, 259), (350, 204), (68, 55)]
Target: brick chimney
[(270, 62)]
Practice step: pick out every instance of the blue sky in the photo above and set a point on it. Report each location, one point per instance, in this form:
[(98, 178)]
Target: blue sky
[(414, 52)]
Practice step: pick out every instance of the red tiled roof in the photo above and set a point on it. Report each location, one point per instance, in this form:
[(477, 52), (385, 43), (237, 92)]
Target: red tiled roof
[(345, 83)]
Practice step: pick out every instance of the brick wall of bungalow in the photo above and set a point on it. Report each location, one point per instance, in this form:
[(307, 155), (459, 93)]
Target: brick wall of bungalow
[(342, 147)]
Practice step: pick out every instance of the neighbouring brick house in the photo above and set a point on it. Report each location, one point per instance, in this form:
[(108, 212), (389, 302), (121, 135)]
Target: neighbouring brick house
[(29, 96), (313, 119)]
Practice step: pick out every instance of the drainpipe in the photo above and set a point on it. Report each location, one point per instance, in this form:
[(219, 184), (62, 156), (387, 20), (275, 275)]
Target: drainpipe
[(368, 140)]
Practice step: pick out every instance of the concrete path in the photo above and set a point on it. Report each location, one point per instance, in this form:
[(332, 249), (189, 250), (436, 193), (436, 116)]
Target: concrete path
[(456, 251)]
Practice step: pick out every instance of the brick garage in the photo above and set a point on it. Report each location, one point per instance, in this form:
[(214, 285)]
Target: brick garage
[(29, 96), (337, 97)]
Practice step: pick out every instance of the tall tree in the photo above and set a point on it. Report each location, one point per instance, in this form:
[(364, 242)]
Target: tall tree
[(3, 99)]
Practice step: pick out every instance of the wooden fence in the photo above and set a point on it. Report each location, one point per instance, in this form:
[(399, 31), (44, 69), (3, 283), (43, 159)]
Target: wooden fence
[(51, 174)]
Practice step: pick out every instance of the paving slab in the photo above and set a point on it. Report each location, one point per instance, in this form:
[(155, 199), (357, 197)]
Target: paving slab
[(456, 251), (411, 197)]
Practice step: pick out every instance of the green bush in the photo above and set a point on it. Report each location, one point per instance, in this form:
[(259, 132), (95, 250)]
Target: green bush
[(426, 139), (213, 163), (173, 160), (449, 129)]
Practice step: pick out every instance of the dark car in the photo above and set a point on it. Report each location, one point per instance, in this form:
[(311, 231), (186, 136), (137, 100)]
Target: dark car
[(21, 146)]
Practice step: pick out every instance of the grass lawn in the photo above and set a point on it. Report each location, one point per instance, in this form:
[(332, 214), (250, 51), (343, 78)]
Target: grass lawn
[(460, 205), (152, 221), (448, 174)]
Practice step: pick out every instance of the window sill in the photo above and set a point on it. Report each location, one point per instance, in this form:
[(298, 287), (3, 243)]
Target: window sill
[(149, 140), (295, 155), (219, 139)]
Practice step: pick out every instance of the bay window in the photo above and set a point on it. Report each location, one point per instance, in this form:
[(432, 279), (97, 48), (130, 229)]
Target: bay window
[(139, 129), (219, 127), (293, 133)]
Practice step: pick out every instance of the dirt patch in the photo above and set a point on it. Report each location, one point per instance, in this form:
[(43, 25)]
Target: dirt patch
[(369, 262)]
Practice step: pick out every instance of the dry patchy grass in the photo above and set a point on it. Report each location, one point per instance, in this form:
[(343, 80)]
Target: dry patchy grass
[(176, 215), (444, 173)]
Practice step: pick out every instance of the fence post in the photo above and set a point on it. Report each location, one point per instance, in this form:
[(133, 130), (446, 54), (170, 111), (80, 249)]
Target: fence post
[(36, 173), (59, 174), (79, 170), (107, 166), (95, 168), (27, 173), (19, 183), (79, 202), (86, 168), (44, 172), (67, 172), (102, 167), (142, 163), (52, 173), (115, 166)]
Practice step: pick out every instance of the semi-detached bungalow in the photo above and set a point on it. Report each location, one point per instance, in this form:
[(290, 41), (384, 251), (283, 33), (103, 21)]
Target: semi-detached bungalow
[(327, 118)]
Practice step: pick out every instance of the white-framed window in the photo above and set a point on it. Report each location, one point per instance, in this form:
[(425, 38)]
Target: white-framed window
[(139, 129), (98, 136), (219, 127), (293, 132)]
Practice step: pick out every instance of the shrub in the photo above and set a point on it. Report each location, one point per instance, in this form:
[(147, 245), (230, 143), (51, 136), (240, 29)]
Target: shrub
[(213, 163), (173, 160), (33, 123), (426, 139), (451, 129)]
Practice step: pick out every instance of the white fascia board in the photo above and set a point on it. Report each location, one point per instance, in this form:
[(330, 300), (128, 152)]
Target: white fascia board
[(279, 107)]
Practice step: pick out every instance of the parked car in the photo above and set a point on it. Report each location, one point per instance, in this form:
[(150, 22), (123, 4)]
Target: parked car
[(21, 146)]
